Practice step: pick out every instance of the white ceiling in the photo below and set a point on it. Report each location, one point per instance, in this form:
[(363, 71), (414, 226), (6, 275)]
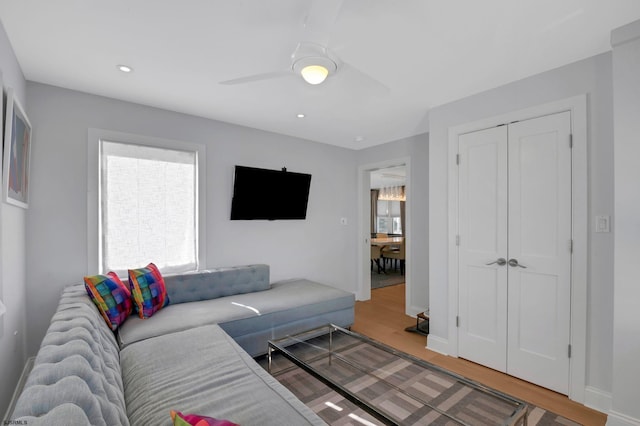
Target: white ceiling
[(427, 52), (391, 176)]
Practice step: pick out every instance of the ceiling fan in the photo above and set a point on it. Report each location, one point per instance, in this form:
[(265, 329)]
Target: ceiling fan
[(312, 60)]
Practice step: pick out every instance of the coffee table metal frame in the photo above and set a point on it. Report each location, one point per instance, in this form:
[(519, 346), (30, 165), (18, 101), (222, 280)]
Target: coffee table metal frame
[(518, 417)]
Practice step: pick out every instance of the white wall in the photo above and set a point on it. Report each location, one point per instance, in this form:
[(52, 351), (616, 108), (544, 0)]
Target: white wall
[(319, 248), (592, 76), (626, 323), (417, 148), (12, 256)]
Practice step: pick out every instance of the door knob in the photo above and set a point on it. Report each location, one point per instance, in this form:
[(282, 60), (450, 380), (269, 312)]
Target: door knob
[(500, 262), (514, 262)]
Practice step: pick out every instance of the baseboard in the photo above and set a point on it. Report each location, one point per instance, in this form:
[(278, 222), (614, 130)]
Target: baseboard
[(603, 401), (438, 344), (619, 419), (598, 399), (18, 390)]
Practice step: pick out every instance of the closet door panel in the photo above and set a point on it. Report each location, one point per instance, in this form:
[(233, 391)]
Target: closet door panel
[(539, 274), (483, 240)]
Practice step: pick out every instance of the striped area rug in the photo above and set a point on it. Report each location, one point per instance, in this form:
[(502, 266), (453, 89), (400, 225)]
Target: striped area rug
[(472, 407)]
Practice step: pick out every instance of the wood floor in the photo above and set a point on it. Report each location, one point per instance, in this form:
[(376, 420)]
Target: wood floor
[(383, 318)]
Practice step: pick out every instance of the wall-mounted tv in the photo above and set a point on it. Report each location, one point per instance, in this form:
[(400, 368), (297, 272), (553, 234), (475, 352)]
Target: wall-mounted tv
[(262, 194)]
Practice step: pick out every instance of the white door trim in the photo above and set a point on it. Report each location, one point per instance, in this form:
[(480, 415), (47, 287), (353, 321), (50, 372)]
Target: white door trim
[(578, 107), (364, 230)]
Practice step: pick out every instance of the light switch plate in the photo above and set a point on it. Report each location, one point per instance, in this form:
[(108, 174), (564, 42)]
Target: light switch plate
[(3, 310), (602, 224)]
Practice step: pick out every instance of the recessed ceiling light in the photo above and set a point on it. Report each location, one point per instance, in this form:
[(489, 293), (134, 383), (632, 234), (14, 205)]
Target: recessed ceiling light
[(124, 68), (300, 115), (359, 138)]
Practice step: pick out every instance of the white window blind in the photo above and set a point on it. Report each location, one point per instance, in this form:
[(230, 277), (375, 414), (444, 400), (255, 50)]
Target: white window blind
[(389, 217), (148, 208)]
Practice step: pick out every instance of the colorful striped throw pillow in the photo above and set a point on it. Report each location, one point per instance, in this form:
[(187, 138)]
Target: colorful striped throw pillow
[(148, 290), (111, 296), (180, 419)]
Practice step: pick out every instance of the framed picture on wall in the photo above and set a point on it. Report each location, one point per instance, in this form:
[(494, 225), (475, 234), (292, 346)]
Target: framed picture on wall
[(17, 149)]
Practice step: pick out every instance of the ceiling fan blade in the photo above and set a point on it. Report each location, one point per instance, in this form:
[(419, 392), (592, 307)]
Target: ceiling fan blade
[(256, 77), (319, 21), (373, 85)]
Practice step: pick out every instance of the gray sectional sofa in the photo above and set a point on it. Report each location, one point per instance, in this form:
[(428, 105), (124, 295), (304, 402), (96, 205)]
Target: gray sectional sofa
[(193, 356)]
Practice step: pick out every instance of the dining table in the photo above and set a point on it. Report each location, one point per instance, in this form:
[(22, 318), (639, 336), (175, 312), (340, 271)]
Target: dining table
[(386, 241)]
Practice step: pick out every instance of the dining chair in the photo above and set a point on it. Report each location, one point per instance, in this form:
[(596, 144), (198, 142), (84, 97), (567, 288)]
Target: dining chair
[(396, 253), (376, 256)]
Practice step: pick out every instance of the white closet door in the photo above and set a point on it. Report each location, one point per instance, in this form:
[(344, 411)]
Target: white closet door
[(539, 240), (483, 240), (515, 204)]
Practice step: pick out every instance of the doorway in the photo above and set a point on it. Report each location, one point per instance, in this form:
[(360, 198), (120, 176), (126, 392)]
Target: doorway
[(365, 227), (388, 226)]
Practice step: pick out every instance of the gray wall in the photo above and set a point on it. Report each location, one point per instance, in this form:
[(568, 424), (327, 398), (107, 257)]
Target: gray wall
[(592, 76), (626, 325), (12, 256), (319, 248), (417, 148)]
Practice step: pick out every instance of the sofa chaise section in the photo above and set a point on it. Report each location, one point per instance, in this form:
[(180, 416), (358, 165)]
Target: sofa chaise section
[(291, 307), (202, 370)]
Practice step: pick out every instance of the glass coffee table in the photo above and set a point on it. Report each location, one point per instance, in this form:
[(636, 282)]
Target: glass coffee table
[(392, 386)]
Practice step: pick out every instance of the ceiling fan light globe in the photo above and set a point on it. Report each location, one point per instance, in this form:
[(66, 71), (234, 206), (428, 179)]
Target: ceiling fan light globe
[(314, 74)]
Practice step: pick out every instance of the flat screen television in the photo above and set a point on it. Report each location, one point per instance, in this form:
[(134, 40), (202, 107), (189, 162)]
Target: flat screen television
[(262, 194)]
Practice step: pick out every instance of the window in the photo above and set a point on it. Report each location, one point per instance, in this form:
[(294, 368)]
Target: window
[(146, 204), (388, 220)]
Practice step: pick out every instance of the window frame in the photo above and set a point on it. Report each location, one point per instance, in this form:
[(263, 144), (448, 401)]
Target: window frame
[(95, 137)]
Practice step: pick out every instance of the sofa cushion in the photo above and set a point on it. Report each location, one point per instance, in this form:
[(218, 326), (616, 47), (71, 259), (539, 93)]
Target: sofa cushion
[(202, 370), (294, 306), (285, 301), (214, 283), (148, 290), (111, 296)]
